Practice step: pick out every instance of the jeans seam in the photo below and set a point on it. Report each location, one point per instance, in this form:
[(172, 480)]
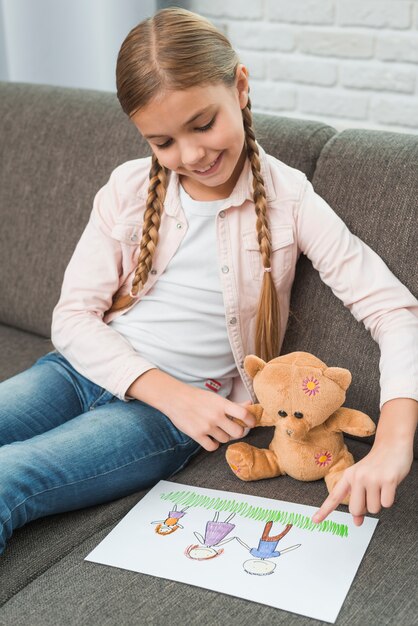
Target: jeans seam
[(93, 406), (91, 477)]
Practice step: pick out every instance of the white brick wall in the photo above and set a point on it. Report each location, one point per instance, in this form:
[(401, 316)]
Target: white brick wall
[(350, 63)]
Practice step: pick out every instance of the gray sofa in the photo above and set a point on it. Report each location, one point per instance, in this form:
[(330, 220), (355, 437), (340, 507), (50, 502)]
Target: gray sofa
[(57, 147)]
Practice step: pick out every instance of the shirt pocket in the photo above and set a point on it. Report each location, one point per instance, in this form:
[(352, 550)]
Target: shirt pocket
[(282, 251), (127, 233)]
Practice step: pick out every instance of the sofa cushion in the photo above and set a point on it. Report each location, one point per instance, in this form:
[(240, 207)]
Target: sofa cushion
[(19, 350), (69, 590), (370, 179), (58, 147)]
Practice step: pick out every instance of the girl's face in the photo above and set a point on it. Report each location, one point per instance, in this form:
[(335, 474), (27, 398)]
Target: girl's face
[(199, 133)]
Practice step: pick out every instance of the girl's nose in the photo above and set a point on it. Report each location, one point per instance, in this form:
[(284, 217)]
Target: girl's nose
[(192, 155)]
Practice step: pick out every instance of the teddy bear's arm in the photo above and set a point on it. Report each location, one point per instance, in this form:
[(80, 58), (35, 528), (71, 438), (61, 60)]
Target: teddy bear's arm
[(256, 410), (351, 421)]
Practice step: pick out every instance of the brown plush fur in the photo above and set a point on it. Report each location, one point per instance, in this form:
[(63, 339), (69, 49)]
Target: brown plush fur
[(308, 442)]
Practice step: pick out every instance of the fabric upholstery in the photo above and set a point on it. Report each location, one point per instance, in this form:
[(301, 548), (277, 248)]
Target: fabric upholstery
[(370, 180), (67, 590), (54, 156)]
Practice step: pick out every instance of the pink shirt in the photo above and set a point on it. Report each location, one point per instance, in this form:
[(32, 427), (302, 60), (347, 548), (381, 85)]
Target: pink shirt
[(105, 257)]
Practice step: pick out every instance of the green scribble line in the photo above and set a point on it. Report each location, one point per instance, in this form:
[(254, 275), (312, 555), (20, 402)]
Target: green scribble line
[(192, 499)]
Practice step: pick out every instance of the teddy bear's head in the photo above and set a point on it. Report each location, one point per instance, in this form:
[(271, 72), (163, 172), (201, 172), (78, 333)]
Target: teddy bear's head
[(297, 391)]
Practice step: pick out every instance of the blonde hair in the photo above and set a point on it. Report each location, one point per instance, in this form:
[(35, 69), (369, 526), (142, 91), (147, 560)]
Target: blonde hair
[(177, 49)]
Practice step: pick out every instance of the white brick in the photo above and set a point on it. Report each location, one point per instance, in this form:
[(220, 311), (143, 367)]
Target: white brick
[(302, 70), (336, 43), (301, 11), (397, 48), (374, 13), (272, 96), (239, 9), (396, 111), (378, 77), (254, 61), (334, 103), (261, 36)]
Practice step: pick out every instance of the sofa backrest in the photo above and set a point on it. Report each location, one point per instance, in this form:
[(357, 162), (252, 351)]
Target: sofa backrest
[(370, 178), (58, 147)]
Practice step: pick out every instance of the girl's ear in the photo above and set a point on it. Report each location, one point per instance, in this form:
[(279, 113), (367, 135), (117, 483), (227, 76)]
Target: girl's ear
[(241, 82)]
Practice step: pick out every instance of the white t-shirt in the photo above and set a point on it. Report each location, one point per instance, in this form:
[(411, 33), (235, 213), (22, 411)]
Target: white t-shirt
[(179, 325)]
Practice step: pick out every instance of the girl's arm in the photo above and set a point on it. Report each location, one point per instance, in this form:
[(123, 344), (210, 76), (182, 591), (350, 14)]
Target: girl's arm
[(92, 276), (202, 415), (373, 480)]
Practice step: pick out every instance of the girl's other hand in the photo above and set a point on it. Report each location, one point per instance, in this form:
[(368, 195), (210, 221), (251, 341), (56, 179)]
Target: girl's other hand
[(204, 416), (372, 482)]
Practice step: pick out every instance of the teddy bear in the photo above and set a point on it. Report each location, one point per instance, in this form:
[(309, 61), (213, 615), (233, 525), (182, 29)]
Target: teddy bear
[(302, 398)]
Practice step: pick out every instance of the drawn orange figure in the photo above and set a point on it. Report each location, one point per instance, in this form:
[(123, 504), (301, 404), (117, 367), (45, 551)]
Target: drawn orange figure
[(171, 523)]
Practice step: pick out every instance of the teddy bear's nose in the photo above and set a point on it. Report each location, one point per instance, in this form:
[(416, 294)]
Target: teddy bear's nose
[(298, 414)]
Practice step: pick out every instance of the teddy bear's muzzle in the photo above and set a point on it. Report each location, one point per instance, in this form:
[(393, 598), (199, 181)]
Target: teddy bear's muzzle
[(295, 429)]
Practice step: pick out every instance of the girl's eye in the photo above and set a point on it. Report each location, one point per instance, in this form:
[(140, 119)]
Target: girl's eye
[(202, 129), (164, 145)]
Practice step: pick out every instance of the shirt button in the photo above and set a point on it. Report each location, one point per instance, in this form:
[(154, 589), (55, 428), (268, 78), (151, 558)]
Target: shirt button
[(179, 225), (134, 237), (233, 320), (153, 272), (225, 269), (222, 214)]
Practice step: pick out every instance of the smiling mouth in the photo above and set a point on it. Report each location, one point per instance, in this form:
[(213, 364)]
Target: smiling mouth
[(210, 167)]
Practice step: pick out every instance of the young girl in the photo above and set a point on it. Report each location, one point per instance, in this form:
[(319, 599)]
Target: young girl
[(185, 267)]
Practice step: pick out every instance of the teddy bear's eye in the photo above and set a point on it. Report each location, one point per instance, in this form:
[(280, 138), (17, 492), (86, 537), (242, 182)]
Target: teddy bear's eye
[(298, 414), (282, 413)]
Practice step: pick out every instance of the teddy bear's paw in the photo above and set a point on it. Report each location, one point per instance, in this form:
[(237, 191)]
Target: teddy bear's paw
[(240, 459)]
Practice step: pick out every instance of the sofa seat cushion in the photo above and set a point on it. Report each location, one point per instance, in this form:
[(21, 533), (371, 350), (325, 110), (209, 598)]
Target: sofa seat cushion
[(44, 579)]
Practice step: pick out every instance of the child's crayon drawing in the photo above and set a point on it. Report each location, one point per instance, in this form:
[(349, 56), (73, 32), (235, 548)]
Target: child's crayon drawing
[(243, 509), (215, 536), (246, 546), (266, 549), (171, 523)]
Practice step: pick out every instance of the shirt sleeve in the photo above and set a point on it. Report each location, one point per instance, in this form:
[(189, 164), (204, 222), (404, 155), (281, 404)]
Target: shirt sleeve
[(78, 331), (366, 286)]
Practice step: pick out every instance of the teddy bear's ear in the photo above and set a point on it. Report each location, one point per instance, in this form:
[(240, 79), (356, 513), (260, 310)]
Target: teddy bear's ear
[(253, 364), (339, 375)]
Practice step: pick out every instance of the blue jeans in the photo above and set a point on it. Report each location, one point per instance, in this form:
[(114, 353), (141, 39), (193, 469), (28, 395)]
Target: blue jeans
[(66, 443)]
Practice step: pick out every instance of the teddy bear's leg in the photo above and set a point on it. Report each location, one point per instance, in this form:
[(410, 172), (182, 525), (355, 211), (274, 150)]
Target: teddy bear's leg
[(345, 459), (250, 463)]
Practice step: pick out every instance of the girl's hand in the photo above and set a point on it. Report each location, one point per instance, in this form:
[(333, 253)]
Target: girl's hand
[(372, 482), (202, 415), (208, 418)]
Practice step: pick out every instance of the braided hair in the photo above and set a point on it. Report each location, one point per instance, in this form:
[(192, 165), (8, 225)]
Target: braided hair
[(177, 49)]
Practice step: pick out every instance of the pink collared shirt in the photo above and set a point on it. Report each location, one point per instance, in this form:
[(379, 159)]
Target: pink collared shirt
[(105, 259)]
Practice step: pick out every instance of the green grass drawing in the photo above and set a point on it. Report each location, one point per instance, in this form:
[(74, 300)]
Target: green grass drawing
[(192, 499)]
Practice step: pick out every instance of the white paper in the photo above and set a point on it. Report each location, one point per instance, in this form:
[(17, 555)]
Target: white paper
[(311, 575)]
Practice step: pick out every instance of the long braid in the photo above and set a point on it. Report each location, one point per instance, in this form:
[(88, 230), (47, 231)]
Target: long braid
[(267, 335), (152, 219)]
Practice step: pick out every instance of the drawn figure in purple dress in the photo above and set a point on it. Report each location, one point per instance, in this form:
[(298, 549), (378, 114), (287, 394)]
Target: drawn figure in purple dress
[(171, 523), (215, 536), (260, 566)]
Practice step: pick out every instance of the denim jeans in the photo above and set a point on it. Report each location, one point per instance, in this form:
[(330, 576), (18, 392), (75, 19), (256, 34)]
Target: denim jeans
[(66, 443)]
